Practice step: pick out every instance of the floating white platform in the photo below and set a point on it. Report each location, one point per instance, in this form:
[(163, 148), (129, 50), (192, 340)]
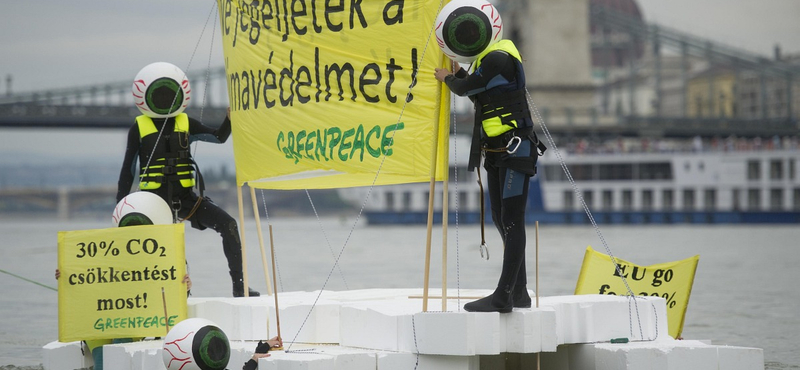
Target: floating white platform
[(385, 329)]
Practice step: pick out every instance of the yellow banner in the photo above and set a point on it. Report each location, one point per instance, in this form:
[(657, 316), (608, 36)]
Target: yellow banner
[(672, 281), (111, 282), (327, 94)]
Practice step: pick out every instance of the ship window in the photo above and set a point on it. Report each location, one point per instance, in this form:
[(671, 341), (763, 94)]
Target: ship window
[(688, 199), (791, 168), (554, 173), (753, 170), (797, 199), (608, 199), (775, 169), (569, 200), (655, 171), (710, 199), (737, 195), (462, 200), (627, 200), (647, 200), (753, 199), (668, 199), (616, 171), (390, 201), (406, 200), (776, 199), (588, 198)]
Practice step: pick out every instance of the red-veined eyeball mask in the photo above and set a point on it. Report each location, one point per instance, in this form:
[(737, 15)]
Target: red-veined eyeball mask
[(196, 344), (161, 90), (141, 208), (465, 28)]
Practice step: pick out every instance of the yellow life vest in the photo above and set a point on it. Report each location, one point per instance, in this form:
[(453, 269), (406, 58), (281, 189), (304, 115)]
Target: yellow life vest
[(176, 166), (494, 126)]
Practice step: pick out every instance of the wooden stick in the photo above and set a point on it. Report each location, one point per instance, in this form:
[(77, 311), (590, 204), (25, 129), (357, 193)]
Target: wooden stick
[(445, 215), (277, 315), (164, 301), (428, 245), (241, 233), (537, 265), (257, 216)]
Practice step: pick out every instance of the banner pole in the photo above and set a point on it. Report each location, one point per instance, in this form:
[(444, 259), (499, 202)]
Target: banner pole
[(537, 265), (274, 281), (445, 194), (241, 233), (536, 292), (428, 244), (257, 217)]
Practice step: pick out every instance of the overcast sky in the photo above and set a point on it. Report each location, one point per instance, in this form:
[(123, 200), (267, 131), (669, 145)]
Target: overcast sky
[(48, 44)]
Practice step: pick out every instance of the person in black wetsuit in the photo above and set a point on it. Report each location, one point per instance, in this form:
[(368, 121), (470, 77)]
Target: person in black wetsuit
[(471, 32), (159, 140)]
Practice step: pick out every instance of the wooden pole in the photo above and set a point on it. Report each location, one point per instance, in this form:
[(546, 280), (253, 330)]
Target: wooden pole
[(428, 244), (241, 233), (537, 265), (445, 216), (275, 287), (536, 293), (166, 317), (257, 216)]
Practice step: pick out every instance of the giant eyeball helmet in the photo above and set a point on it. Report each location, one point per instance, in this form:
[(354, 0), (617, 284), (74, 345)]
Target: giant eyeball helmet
[(465, 28), (196, 344), (161, 90), (141, 208)]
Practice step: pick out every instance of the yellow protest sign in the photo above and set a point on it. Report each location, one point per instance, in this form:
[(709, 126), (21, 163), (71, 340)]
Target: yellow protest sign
[(672, 281), (111, 282), (326, 94)]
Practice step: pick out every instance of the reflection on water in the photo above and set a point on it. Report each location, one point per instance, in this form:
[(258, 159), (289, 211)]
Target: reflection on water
[(744, 292)]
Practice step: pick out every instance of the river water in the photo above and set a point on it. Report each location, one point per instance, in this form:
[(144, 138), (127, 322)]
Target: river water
[(744, 294)]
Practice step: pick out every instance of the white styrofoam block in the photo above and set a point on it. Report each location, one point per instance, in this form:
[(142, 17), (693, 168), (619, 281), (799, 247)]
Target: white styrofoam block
[(445, 333), (549, 331), (298, 323), (402, 361), (366, 328), (327, 317), (492, 336), (65, 356), (139, 355), (523, 331), (684, 358), (281, 360), (239, 319), (740, 358)]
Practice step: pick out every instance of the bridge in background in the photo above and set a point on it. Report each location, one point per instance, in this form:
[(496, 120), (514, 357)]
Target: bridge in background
[(110, 105)]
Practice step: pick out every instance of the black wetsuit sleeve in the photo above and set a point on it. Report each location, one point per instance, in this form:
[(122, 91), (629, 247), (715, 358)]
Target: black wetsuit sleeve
[(494, 64), (201, 132), (128, 169)]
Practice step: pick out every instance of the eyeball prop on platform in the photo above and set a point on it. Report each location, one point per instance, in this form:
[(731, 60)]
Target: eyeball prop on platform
[(161, 90), (196, 344), (141, 208), (465, 28)]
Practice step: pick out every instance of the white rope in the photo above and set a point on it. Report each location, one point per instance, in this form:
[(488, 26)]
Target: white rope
[(579, 195), (372, 185)]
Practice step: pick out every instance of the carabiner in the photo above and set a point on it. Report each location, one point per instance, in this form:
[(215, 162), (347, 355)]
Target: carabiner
[(511, 142), (483, 248)]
